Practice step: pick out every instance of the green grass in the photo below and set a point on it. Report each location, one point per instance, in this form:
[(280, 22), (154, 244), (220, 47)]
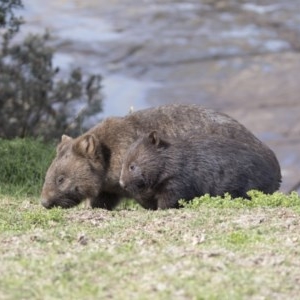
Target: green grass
[(23, 166), (258, 199), (212, 248)]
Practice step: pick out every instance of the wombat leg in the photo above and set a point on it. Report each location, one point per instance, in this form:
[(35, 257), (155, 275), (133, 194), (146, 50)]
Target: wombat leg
[(105, 200), (166, 201), (239, 193), (87, 204), (148, 203)]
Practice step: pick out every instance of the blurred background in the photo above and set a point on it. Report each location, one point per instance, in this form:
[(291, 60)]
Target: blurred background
[(238, 57)]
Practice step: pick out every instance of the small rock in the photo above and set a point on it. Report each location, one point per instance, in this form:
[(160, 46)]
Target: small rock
[(82, 239)]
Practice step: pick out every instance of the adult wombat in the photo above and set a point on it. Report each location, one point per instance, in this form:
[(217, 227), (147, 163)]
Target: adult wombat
[(158, 172), (89, 166)]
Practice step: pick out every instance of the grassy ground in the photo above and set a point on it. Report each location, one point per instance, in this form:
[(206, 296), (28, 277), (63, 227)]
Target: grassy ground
[(212, 249)]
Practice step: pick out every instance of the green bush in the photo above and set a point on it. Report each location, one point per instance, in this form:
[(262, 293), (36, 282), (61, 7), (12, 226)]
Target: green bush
[(23, 166), (258, 199), (34, 101)]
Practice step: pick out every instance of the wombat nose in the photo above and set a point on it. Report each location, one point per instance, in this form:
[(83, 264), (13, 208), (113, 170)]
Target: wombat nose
[(122, 184), (47, 204)]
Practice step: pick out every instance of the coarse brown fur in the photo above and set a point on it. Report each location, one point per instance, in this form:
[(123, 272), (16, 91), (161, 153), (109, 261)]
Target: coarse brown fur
[(159, 172), (89, 166)]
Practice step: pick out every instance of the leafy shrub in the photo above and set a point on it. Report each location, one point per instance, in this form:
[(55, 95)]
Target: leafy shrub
[(23, 165), (33, 101), (257, 199)]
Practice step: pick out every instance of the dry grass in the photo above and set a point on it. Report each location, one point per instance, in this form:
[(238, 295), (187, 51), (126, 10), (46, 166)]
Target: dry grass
[(202, 252)]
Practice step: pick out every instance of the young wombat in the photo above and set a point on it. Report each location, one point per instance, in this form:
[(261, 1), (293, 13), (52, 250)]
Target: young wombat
[(89, 166), (158, 172)]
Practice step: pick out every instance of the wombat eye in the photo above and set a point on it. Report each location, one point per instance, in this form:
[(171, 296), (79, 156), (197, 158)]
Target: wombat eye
[(132, 167), (60, 179)]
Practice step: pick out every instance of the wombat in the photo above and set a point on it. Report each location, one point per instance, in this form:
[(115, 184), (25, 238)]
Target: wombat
[(158, 172), (89, 166)]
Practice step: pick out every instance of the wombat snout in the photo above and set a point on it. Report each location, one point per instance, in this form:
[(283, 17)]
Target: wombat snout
[(122, 184), (46, 203)]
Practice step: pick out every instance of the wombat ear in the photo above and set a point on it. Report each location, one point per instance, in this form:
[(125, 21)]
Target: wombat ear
[(86, 146), (65, 138), (154, 138)]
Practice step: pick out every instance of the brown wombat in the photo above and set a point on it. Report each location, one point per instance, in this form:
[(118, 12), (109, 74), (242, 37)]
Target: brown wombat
[(158, 172), (89, 166)]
